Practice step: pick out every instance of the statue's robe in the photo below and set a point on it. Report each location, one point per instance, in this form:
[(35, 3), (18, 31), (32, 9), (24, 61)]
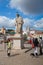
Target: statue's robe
[(19, 23)]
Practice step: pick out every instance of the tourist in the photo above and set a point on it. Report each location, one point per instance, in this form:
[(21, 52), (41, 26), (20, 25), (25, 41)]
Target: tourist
[(36, 47), (8, 47), (41, 45)]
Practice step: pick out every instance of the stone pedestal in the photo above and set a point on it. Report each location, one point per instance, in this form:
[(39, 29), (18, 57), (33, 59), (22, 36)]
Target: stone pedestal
[(18, 42)]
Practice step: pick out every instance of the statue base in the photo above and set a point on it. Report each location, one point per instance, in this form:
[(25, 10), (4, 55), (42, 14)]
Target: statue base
[(18, 42)]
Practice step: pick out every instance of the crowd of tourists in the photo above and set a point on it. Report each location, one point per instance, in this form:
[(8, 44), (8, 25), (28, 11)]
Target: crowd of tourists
[(37, 44)]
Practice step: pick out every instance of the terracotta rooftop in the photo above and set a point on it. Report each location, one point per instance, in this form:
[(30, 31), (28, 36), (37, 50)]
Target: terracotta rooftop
[(39, 32)]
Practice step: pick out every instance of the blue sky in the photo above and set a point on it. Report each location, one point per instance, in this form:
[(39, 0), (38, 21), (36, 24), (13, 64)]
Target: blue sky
[(30, 10)]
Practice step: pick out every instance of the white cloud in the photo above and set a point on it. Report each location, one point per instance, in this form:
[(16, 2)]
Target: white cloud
[(28, 6), (27, 23), (14, 3), (6, 22), (39, 23)]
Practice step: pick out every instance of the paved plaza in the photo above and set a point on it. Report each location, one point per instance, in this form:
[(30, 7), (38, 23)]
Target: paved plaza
[(20, 57)]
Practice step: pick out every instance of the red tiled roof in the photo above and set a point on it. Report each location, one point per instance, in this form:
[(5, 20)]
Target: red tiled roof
[(39, 32)]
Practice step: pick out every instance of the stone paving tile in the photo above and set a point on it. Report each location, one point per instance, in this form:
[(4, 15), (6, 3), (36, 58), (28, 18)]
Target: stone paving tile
[(19, 57)]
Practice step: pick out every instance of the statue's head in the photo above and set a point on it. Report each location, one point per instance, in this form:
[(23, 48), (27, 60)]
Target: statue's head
[(17, 15)]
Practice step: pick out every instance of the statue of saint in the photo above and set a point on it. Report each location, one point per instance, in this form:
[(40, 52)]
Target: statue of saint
[(19, 23)]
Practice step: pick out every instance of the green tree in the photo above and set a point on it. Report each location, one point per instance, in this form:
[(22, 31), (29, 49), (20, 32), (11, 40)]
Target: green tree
[(25, 37)]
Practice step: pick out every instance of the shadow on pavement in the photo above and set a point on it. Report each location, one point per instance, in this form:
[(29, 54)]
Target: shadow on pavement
[(14, 55), (40, 54), (28, 50)]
